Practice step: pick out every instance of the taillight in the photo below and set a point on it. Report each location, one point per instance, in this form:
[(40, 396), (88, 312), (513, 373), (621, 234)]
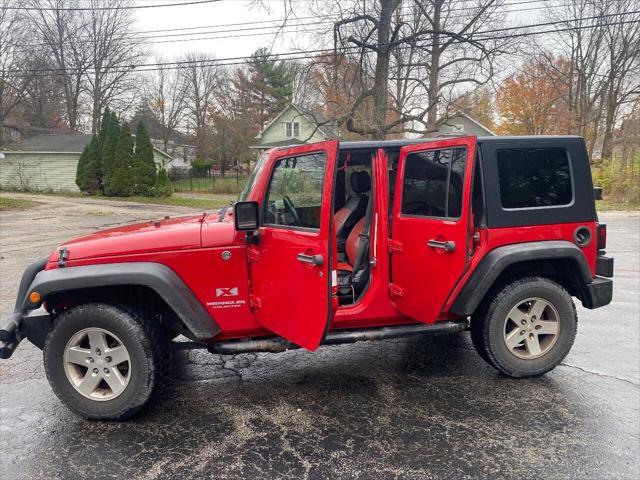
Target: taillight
[(602, 236)]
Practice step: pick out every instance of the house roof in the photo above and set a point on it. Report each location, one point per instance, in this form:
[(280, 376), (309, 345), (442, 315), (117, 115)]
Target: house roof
[(314, 117), (58, 143), (460, 113), (52, 142)]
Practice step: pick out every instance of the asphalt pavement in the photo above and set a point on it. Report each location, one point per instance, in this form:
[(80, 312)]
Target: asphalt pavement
[(424, 407)]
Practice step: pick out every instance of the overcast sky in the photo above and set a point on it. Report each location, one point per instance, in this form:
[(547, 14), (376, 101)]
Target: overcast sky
[(215, 16)]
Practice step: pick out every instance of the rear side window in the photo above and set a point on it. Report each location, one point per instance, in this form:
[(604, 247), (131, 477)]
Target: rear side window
[(433, 183), (534, 177)]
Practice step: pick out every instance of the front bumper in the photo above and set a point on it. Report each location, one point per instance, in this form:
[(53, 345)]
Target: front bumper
[(597, 293), (21, 323)]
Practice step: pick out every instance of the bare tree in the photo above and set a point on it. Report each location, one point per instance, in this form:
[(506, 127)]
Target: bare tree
[(113, 53), (622, 78), (428, 48), (166, 97), (14, 78), (202, 79), (601, 44), (60, 30)]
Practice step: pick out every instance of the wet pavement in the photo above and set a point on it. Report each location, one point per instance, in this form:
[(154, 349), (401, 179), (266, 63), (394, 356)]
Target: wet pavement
[(413, 408)]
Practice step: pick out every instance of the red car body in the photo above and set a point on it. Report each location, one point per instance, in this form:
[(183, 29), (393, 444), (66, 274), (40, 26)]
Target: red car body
[(258, 290)]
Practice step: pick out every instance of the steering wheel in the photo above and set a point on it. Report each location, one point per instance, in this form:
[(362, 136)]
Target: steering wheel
[(288, 205), (418, 207)]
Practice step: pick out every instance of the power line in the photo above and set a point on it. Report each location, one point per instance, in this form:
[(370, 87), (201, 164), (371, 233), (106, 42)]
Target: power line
[(284, 29), (124, 7), (473, 37), (291, 56)]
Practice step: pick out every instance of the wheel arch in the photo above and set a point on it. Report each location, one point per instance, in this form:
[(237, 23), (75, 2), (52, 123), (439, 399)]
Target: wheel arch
[(562, 261), (141, 283)]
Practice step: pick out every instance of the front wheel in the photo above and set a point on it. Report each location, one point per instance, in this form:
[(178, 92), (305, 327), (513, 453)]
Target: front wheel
[(103, 361), (527, 328)]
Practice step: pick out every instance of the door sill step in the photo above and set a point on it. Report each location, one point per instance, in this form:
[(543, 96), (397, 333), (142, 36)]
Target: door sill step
[(279, 344)]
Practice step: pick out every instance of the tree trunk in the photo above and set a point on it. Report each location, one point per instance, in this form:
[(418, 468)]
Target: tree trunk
[(381, 78), (434, 73)]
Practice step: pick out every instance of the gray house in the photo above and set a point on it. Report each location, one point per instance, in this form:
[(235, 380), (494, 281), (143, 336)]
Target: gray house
[(295, 125), (459, 123), (48, 162)]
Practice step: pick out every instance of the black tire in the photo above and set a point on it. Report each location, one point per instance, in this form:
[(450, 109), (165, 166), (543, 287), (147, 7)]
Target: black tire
[(487, 326), (146, 347), (476, 332)]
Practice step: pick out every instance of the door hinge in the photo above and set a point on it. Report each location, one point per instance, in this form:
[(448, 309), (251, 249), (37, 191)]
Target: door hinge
[(395, 291), (253, 254), (395, 246), (255, 302)]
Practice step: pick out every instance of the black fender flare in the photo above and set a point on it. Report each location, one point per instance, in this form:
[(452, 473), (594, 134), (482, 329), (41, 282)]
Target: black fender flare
[(495, 262), (156, 276)]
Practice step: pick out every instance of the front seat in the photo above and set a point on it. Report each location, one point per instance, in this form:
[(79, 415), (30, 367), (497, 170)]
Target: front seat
[(350, 282), (345, 218)]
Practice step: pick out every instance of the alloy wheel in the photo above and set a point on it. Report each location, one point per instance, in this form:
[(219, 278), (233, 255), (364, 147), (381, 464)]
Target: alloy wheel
[(531, 328), (97, 364)]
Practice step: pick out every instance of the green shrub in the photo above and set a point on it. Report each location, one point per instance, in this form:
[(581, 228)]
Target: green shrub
[(111, 136), (91, 176), (200, 166), (620, 181), (163, 187), (120, 181), (143, 167)]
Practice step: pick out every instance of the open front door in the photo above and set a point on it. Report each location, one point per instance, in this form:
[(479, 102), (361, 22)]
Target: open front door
[(291, 267), (431, 227)]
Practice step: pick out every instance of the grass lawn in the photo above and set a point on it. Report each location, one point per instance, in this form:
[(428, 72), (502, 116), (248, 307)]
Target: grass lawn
[(14, 203), (606, 205), (198, 201), (209, 201)]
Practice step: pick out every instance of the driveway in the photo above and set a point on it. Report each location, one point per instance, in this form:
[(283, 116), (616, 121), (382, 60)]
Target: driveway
[(411, 408)]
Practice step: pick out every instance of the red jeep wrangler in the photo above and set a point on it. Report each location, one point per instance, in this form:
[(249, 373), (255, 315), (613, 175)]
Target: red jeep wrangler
[(330, 243)]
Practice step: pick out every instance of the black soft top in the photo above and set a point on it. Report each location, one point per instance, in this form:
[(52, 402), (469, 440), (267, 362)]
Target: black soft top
[(391, 144)]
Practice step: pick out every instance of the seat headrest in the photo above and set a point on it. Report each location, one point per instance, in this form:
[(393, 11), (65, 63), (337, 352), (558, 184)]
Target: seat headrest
[(360, 182)]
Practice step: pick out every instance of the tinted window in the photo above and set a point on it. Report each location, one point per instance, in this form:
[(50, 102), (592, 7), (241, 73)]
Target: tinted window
[(433, 183), (534, 177), (294, 197)]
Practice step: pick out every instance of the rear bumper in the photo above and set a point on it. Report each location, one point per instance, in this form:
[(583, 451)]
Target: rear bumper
[(597, 293), (604, 266)]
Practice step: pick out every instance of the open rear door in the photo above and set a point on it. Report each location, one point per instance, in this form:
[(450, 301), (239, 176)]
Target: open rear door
[(431, 227), (291, 267)]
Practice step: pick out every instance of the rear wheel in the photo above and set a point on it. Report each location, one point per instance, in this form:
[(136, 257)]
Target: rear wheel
[(103, 361), (527, 328)]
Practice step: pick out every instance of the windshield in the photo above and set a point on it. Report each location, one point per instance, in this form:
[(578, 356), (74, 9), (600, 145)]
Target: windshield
[(252, 178)]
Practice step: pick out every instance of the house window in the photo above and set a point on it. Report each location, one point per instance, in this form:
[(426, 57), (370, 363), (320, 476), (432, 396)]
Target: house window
[(292, 129)]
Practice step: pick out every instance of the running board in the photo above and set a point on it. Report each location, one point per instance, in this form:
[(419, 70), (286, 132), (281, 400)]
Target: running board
[(278, 344)]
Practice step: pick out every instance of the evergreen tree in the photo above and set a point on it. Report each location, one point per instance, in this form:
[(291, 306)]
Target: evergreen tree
[(163, 187), (91, 182), (119, 181), (143, 170), (82, 163), (267, 86), (112, 134), (104, 124)]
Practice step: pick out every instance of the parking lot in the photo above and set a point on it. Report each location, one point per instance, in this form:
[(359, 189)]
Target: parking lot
[(412, 408)]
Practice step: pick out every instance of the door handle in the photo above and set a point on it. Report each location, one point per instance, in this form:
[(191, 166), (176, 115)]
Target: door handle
[(447, 246), (315, 260)]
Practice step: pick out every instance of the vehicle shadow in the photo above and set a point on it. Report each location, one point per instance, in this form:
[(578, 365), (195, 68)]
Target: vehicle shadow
[(383, 406)]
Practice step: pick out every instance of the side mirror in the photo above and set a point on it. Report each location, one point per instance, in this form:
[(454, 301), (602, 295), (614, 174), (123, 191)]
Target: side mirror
[(597, 193), (245, 216)]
